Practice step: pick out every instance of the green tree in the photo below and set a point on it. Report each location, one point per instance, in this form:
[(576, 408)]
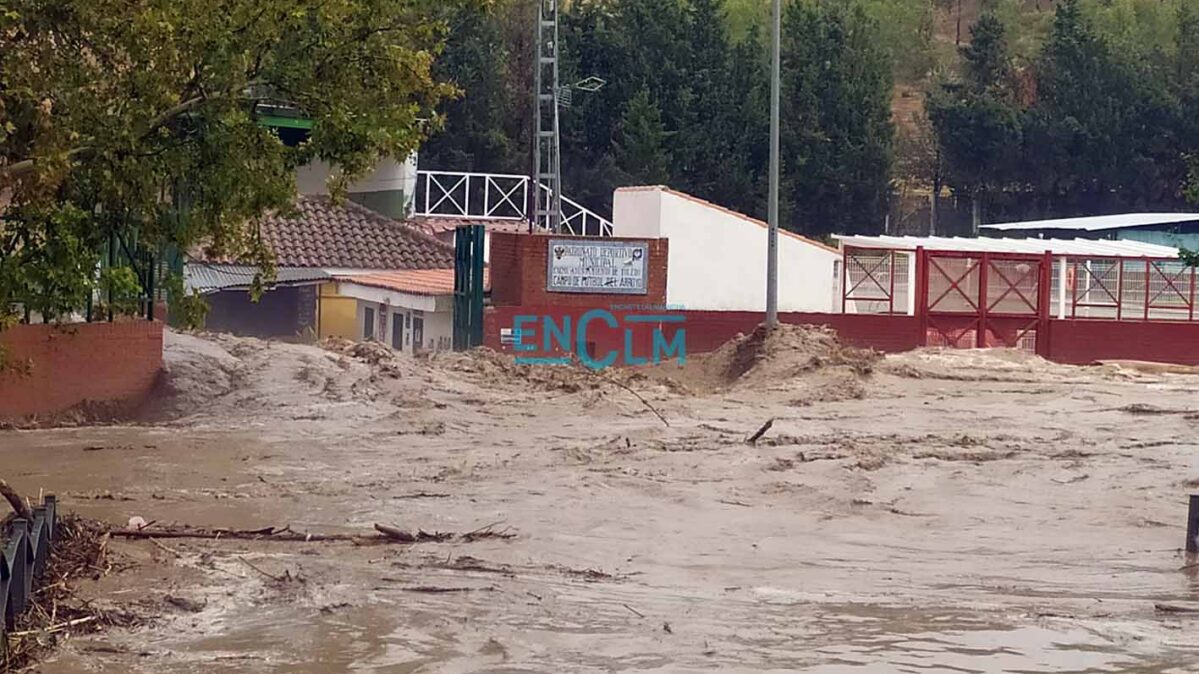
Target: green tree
[(640, 149), (477, 134), (837, 132), (977, 123), (745, 165), (115, 112), (1103, 132), (708, 126)]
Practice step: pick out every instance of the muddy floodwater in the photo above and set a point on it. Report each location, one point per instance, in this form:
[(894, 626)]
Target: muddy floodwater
[(930, 512)]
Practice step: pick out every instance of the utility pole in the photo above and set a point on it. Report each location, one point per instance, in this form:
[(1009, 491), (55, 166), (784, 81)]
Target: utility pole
[(772, 235), (547, 151)]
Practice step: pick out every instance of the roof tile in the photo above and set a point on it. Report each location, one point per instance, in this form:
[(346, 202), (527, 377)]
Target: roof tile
[(350, 236)]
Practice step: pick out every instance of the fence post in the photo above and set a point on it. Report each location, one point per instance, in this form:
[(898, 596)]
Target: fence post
[(845, 254), (983, 268), (921, 307), (20, 582), (1147, 273), (1120, 291), (1191, 304), (1193, 525), (891, 284), (1044, 302)]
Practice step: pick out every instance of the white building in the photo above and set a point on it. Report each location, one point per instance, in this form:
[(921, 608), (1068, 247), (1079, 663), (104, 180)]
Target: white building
[(411, 310), (390, 189), (718, 257)]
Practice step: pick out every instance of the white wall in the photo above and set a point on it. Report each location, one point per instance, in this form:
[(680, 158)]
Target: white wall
[(389, 175), (439, 331), (436, 313), (718, 257)]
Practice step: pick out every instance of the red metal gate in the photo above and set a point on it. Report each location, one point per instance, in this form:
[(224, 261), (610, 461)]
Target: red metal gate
[(979, 300)]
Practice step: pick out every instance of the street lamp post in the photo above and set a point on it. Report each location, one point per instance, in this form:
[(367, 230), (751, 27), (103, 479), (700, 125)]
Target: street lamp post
[(772, 235)]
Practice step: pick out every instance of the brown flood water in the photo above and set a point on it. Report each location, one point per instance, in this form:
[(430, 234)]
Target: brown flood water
[(971, 513)]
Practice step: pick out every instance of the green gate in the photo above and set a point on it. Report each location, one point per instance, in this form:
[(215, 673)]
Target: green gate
[(468, 287)]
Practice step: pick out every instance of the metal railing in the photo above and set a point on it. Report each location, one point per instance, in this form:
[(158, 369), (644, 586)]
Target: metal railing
[(24, 559), (497, 196)]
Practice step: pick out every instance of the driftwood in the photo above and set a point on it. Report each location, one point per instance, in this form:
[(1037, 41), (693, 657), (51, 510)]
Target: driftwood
[(395, 534), (639, 397), (760, 432), (1177, 608), (14, 499), (384, 534)]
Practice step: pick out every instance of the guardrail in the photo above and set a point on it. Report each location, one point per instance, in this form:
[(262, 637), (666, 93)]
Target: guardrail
[(24, 558), (497, 196)]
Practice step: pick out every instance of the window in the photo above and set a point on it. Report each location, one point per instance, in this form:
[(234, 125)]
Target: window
[(397, 331), (368, 323)]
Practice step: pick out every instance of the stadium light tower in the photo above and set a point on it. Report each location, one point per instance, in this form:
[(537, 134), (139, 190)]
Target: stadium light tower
[(550, 97)]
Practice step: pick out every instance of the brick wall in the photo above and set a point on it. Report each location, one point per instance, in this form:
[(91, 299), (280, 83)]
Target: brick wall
[(705, 330), (54, 368), (519, 263), (1068, 341)]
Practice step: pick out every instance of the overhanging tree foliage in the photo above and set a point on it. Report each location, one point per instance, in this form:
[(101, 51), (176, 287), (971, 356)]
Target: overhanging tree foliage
[(122, 116)]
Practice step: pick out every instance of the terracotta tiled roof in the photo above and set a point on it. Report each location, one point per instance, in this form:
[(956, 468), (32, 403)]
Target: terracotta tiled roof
[(350, 236), (416, 282), (434, 225)]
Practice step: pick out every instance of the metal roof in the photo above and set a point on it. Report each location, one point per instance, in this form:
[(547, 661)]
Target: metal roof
[(204, 278), (1099, 222), (1090, 247)]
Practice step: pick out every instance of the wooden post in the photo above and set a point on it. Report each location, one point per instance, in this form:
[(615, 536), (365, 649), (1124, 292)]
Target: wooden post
[(1193, 525)]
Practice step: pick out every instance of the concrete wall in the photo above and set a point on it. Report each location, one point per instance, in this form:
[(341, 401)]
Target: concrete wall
[(50, 369), (1086, 341), (389, 189), (718, 257)]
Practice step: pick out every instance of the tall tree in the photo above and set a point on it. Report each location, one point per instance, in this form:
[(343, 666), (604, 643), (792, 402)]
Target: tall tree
[(476, 135), (745, 165), (977, 121), (109, 107), (708, 125), (837, 132), (641, 147), (1103, 130)]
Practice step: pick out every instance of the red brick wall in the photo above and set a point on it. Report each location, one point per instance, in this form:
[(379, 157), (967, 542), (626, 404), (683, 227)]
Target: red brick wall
[(519, 262), (1086, 341), (705, 330), (54, 368), (1069, 341)]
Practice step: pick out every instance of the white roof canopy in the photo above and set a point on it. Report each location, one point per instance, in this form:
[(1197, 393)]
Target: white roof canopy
[(1099, 222), (1086, 247)]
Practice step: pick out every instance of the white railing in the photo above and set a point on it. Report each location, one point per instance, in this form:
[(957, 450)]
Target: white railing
[(497, 196)]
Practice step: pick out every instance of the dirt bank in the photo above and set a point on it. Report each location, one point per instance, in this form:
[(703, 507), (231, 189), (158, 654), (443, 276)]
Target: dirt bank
[(960, 511)]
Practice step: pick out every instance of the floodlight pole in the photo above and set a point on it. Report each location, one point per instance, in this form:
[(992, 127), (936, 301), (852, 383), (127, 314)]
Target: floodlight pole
[(772, 235)]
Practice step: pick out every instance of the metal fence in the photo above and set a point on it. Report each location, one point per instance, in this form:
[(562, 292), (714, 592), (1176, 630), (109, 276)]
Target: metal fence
[(496, 196), (25, 555), (880, 281), (1126, 289)]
